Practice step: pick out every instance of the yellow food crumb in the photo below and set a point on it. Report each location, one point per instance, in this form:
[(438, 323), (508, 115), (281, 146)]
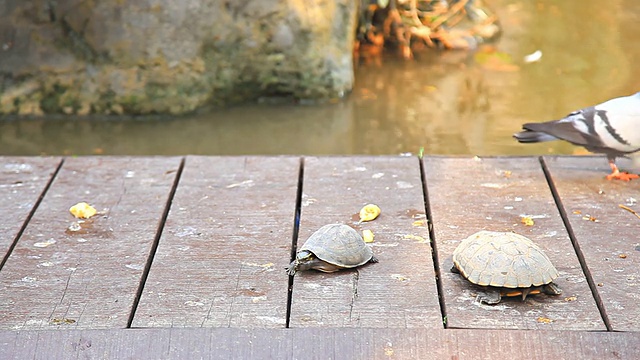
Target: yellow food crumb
[(544, 320), (527, 221), (82, 210), (369, 212), (400, 277), (388, 350), (417, 238), (419, 223), (367, 235)]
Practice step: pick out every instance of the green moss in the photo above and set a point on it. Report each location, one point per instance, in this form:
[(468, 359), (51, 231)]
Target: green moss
[(50, 102), (130, 103)]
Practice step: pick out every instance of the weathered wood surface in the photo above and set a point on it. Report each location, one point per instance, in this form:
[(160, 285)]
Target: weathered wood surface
[(468, 195), (22, 181), (86, 278), (220, 259), (399, 291), (608, 236), (226, 242), (318, 343)]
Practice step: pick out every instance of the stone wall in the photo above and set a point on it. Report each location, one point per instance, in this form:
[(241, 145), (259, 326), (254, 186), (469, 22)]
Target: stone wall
[(166, 56)]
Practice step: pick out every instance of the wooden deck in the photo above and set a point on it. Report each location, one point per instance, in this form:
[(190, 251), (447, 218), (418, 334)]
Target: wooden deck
[(186, 259)]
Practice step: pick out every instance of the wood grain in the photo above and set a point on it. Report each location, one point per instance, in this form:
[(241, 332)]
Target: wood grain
[(318, 343), (87, 278), (22, 181), (606, 234), (468, 195), (397, 292), (226, 242)]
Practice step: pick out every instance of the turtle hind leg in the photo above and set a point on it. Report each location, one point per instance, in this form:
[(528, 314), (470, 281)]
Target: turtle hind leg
[(373, 259), (489, 297), (552, 289)]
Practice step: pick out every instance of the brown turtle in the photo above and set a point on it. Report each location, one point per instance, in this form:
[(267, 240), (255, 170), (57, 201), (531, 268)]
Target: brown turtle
[(507, 264), (331, 248)]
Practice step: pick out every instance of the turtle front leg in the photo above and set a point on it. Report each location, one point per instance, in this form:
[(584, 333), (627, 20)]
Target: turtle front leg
[(292, 268)]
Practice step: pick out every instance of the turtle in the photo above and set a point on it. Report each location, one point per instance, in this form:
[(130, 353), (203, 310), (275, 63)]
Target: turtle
[(331, 248), (507, 264)]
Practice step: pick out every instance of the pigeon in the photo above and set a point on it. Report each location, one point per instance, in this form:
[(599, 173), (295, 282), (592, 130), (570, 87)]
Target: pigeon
[(611, 128)]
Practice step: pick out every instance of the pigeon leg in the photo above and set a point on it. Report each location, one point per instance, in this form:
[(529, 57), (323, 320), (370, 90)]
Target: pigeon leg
[(619, 175)]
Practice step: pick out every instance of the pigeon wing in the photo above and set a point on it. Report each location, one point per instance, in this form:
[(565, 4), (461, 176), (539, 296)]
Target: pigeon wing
[(617, 122), (575, 129), (612, 127)]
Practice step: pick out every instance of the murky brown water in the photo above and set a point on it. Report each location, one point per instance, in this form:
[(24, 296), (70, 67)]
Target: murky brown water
[(445, 102)]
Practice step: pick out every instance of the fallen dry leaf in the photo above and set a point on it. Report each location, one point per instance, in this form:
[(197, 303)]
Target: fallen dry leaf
[(629, 210)]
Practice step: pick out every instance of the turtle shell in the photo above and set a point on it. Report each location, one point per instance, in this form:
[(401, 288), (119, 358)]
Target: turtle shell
[(506, 260), (340, 245)]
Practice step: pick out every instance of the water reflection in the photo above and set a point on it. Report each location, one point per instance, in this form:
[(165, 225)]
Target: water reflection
[(444, 102)]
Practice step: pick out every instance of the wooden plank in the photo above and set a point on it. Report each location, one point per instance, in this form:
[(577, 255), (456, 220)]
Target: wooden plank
[(611, 245), (22, 180), (225, 245), (318, 343), (468, 195), (397, 292), (87, 278)]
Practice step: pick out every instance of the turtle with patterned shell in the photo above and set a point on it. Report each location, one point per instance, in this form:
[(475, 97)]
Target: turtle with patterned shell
[(506, 264), (331, 248)]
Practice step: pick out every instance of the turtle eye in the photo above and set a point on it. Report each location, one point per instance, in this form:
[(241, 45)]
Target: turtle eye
[(577, 112)]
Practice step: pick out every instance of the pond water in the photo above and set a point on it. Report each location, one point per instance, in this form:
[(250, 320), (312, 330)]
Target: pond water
[(446, 102)]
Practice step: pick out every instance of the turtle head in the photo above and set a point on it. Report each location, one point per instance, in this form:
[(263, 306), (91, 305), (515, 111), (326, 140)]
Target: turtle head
[(304, 261), (304, 256)]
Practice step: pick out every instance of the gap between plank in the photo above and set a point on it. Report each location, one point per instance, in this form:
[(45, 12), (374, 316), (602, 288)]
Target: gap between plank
[(576, 245), (31, 213), (294, 238), (432, 237), (156, 242)]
